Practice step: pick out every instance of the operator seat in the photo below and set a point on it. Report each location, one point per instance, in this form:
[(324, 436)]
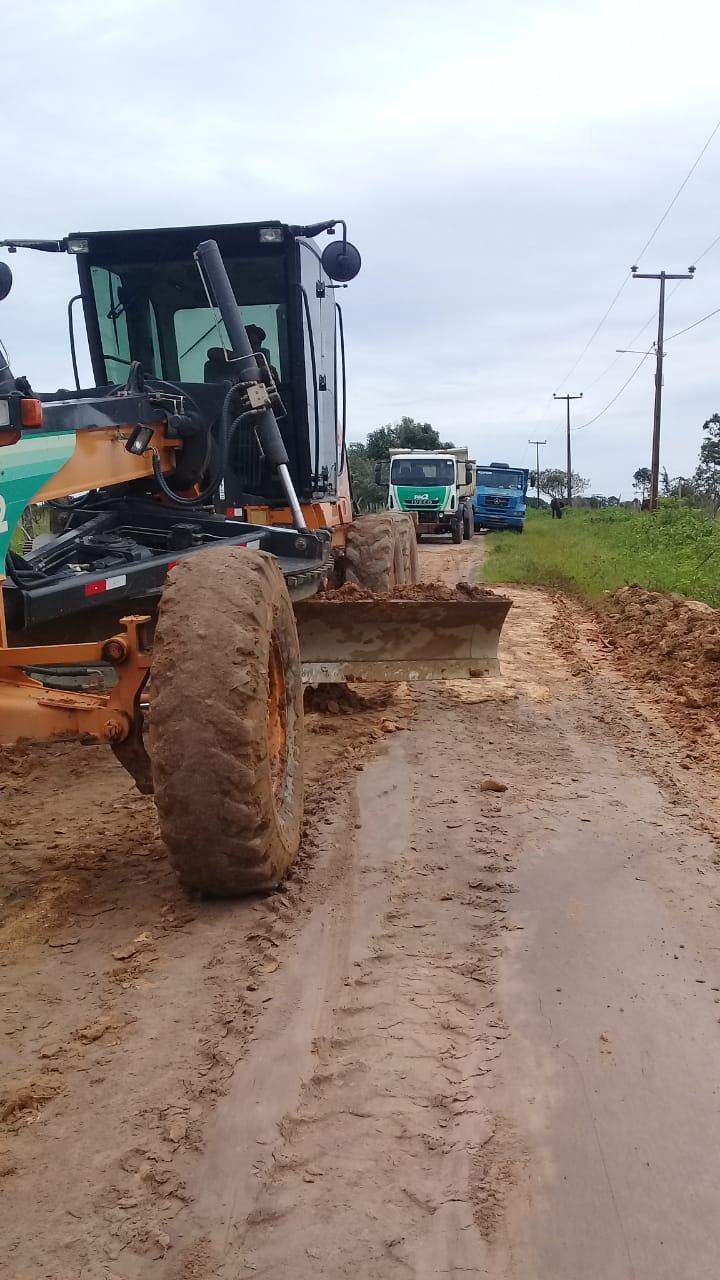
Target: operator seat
[(217, 367)]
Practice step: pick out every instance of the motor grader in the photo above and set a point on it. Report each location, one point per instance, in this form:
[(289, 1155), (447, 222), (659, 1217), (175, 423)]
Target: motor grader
[(203, 497)]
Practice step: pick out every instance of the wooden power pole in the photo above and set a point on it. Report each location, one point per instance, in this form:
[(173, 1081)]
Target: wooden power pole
[(567, 400), (537, 444), (662, 276)]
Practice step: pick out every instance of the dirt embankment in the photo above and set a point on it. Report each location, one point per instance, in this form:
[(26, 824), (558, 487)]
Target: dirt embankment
[(672, 647)]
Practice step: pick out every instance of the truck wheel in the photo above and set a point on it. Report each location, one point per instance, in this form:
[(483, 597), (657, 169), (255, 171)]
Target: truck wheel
[(468, 524), (373, 554), (226, 723), (457, 531), (408, 545)]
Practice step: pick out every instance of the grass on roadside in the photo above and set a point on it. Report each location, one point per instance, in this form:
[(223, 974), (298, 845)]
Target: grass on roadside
[(590, 552), (40, 524)]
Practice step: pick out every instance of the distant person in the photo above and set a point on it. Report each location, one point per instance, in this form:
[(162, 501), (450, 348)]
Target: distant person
[(556, 506)]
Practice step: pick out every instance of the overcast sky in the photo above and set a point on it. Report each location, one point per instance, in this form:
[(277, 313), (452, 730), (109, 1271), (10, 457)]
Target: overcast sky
[(500, 167)]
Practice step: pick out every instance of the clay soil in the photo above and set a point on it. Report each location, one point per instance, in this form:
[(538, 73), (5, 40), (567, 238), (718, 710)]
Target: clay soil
[(671, 646), (472, 1035)]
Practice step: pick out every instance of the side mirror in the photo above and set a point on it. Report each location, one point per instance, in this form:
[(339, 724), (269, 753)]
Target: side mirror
[(6, 279), (469, 474), (341, 260)]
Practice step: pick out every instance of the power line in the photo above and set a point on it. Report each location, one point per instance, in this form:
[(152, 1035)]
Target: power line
[(638, 256), (679, 192), (638, 335), (702, 320), (616, 396), (595, 332), (705, 252)]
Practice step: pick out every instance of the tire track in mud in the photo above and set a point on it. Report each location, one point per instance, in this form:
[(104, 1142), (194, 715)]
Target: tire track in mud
[(122, 1034), (378, 1150)]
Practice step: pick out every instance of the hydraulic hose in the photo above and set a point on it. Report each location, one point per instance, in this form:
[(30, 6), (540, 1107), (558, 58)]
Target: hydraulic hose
[(213, 484)]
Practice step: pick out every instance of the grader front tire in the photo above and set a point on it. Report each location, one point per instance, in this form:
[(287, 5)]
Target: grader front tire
[(408, 545), (226, 723), (373, 554)]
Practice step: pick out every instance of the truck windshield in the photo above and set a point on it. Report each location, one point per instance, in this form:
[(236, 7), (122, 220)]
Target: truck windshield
[(422, 471), (499, 478)]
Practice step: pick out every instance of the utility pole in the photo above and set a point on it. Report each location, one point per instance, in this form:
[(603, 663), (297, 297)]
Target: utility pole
[(567, 400), (662, 276), (537, 444)]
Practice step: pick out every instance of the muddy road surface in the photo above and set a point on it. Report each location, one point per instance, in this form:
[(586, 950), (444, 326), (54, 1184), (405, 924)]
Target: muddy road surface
[(475, 1034)]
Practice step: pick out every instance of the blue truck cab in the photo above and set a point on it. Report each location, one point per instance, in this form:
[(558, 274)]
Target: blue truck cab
[(500, 494)]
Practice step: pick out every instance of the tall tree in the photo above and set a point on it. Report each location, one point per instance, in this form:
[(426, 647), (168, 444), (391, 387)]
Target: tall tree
[(405, 434), (706, 480), (366, 492), (553, 482), (641, 481)]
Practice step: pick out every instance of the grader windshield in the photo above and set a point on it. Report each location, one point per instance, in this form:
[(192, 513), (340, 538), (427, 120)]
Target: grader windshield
[(158, 313)]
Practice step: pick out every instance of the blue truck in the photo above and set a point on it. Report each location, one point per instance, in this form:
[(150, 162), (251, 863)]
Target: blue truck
[(500, 494)]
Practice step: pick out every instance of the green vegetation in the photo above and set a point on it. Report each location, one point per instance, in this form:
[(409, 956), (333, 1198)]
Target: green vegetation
[(553, 482), (37, 521), (590, 552), (405, 434)]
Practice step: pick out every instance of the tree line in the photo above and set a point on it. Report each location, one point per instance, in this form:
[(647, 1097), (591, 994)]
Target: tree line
[(702, 488), (405, 434), (409, 434)]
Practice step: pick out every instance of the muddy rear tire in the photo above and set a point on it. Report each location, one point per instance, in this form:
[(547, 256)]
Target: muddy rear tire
[(456, 531), (226, 723), (373, 554), (408, 545)]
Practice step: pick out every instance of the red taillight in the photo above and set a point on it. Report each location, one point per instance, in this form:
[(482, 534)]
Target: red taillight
[(100, 585), (9, 437), (31, 412)]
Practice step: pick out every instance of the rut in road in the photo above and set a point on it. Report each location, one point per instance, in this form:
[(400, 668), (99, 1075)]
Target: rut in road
[(387, 1154)]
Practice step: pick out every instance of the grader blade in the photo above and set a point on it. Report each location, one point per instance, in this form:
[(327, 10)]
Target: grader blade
[(385, 639)]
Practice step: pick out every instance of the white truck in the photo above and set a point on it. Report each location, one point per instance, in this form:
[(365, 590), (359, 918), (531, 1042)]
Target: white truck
[(437, 487)]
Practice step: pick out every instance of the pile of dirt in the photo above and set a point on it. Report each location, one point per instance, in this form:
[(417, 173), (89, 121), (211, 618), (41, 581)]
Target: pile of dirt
[(418, 591), (671, 645)]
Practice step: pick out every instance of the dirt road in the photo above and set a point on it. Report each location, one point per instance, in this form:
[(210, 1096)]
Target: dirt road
[(474, 1035)]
